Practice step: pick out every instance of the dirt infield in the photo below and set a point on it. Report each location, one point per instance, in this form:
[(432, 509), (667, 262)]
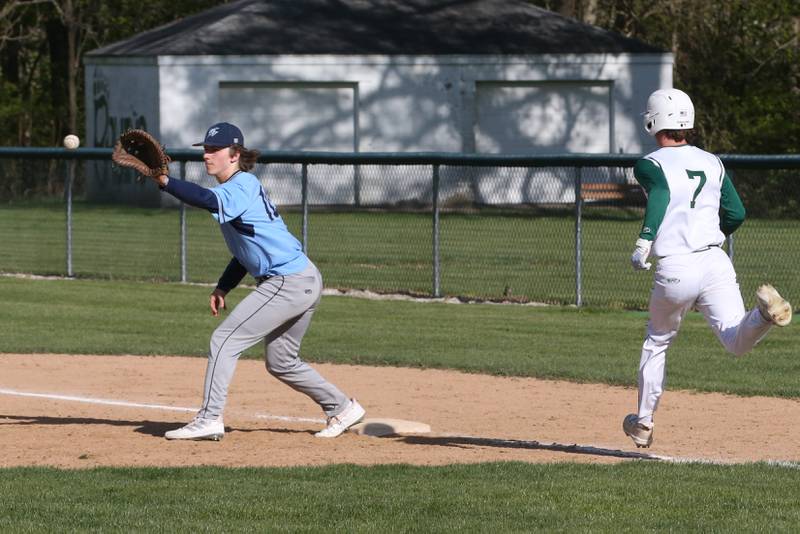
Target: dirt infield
[(85, 411)]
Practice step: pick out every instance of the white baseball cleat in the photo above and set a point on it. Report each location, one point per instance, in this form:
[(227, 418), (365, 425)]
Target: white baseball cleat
[(344, 420), (773, 306), (199, 428), (641, 435)]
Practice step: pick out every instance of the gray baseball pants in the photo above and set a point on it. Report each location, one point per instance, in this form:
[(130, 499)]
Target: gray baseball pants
[(278, 311)]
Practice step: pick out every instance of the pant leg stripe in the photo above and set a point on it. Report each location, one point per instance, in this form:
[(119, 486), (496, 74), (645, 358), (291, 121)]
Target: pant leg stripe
[(216, 357)]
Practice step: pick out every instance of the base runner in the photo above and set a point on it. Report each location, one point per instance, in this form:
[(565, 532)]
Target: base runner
[(691, 206)]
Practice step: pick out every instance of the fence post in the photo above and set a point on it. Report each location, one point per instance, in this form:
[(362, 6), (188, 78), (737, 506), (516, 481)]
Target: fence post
[(304, 223), (729, 240), (357, 185), (70, 178), (183, 229), (435, 200), (578, 236)]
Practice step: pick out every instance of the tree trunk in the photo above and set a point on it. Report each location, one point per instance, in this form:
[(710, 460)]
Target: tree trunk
[(73, 29), (568, 8), (63, 34), (56, 34), (9, 68), (590, 12)]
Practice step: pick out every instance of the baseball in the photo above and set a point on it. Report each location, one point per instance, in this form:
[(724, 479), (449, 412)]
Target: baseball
[(71, 141)]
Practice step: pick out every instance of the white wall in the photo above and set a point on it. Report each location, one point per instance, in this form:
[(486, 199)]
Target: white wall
[(498, 104), (293, 115), (119, 97), (543, 117), (412, 103)]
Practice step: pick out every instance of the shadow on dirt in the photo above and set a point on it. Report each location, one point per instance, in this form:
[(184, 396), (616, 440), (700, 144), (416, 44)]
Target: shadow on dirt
[(469, 442), (150, 428)]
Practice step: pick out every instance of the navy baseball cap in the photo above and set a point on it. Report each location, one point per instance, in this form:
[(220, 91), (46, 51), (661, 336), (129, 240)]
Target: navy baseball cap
[(222, 134)]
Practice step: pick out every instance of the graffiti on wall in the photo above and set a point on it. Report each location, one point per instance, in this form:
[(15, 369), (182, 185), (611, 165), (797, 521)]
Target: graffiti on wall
[(107, 125)]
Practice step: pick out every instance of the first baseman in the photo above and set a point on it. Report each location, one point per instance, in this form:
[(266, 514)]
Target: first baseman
[(691, 206), (278, 311)]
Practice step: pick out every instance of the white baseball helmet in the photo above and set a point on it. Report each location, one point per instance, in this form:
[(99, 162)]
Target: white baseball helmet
[(668, 109)]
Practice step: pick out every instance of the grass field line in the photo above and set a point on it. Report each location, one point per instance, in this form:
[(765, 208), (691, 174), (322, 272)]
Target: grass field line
[(328, 292), (128, 404), (371, 295)]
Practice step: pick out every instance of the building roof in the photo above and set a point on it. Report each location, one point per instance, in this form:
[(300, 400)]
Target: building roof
[(381, 27)]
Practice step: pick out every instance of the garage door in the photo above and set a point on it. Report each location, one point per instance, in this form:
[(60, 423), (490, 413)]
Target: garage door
[(292, 115), (543, 117)]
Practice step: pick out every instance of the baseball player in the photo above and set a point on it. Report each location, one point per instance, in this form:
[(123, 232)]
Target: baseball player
[(691, 206), (279, 310)]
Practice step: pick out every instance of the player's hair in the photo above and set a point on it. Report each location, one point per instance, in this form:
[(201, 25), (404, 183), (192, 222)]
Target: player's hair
[(677, 135), (247, 157)]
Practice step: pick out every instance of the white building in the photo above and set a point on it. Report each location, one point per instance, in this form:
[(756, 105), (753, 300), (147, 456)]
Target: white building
[(488, 76)]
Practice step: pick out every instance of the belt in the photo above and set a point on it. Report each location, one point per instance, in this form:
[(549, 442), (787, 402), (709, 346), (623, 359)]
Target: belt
[(709, 247), (261, 279)]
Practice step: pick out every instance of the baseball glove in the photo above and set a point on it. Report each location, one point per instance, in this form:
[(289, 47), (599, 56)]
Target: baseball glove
[(142, 152)]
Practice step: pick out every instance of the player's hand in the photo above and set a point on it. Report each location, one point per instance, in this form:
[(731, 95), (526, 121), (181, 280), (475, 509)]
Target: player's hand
[(217, 301), (640, 254)]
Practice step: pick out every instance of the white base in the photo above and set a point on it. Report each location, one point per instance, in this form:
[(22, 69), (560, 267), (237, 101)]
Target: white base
[(387, 427)]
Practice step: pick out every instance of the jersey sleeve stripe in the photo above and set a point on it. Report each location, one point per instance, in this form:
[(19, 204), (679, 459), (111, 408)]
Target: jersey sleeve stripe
[(655, 161)]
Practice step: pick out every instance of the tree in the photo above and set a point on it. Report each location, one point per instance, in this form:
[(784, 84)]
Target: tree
[(41, 46), (739, 61)]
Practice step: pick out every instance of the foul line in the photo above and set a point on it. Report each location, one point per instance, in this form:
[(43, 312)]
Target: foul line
[(127, 404)]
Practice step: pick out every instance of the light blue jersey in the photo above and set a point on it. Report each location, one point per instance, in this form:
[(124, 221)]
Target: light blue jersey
[(254, 232)]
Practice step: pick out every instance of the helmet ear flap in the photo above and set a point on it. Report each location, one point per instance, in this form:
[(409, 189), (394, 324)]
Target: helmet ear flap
[(650, 120)]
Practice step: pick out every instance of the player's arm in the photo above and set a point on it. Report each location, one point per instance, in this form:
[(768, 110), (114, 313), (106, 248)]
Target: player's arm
[(650, 176), (230, 278), (190, 193), (731, 209), (232, 275)]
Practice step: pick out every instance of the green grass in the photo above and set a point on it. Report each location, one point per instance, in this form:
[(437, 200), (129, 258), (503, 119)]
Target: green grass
[(498, 497), (588, 345), (489, 255), (119, 317), (527, 256)]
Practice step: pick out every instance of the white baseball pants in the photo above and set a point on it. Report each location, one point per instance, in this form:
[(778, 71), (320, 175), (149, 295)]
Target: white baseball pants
[(705, 280)]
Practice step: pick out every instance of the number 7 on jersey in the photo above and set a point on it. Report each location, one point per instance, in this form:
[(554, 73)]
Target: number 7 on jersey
[(692, 176)]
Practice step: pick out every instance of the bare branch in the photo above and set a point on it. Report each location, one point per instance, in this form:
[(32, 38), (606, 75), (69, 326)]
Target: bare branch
[(778, 48), (10, 14)]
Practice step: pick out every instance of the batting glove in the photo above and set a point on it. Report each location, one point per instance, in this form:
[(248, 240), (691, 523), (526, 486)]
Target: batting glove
[(640, 254)]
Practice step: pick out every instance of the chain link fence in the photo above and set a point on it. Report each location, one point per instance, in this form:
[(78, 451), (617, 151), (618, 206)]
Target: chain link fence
[(548, 229)]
